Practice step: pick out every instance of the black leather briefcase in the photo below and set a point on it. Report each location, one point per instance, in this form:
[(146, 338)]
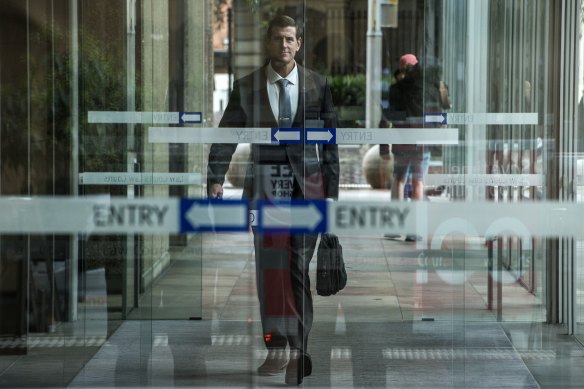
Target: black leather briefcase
[(330, 268)]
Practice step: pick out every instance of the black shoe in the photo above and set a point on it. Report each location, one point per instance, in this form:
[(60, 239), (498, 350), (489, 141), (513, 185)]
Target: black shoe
[(300, 366), (413, 238), (275, 362)]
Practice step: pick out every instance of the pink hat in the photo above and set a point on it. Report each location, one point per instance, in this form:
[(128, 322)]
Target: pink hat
[(407, 60)]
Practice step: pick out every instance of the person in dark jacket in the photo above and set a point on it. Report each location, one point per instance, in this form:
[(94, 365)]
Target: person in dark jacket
[(282, 94), (409, 98)]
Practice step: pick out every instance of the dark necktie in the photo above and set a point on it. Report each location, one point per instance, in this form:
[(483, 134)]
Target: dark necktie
[(285, 114)]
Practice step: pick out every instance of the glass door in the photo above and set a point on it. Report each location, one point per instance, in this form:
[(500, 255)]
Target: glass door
[(410, 130)]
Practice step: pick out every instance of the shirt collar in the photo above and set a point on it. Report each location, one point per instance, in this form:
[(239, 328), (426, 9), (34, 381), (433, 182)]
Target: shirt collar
[(273, 77)]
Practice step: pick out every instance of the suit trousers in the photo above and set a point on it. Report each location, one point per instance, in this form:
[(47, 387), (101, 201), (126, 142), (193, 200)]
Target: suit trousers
[(283, 287), (282, 265)]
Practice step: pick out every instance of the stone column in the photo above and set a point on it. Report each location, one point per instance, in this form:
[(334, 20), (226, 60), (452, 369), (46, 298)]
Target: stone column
[(155, 80), (198, 70), (336, 31), (248, 38)]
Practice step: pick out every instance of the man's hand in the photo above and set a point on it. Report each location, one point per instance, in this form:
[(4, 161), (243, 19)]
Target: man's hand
[(216, 191)]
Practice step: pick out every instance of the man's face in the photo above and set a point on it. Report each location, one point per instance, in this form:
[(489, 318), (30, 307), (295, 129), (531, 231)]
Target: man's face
[(282, 45)]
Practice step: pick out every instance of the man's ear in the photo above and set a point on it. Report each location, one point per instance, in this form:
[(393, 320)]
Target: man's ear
[(299, 43)]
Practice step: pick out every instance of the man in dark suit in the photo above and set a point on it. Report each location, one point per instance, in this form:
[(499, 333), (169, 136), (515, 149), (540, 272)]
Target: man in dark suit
[(282, 94)]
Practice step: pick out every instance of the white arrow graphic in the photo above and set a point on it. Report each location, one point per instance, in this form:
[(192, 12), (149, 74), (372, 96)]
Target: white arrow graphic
[(287, 135), (319, 135), (435, 118), (217, 215), (193, 117), (287, 216)]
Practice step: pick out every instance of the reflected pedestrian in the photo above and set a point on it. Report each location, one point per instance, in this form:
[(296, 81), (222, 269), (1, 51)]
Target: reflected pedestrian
[(282, 93)]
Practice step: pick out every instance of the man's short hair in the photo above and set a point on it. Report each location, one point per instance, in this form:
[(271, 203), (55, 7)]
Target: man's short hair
[(283, 21)]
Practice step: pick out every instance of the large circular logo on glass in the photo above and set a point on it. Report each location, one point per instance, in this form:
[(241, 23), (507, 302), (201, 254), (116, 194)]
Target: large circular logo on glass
[(463, 264)]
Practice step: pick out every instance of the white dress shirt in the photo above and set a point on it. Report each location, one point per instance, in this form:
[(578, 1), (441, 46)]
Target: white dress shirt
[(274, 90)]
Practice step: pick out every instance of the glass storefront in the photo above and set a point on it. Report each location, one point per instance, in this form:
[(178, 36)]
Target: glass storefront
[(440, 140)]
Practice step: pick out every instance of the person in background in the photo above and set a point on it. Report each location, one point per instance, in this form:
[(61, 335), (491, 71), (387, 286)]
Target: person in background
[(282, 94), (409, 97)]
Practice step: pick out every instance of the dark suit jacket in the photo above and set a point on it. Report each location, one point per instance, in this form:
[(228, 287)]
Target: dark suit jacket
[(249, 106)]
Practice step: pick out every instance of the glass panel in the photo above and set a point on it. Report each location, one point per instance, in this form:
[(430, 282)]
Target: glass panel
[(67, 69), (35, 287), (138, 109), (579, 182)]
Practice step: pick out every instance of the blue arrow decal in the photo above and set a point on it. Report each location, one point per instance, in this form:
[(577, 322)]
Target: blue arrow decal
[(321, 136), (199, 215), (189, 117), (286, 135), (435, 118), (295, 216)]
